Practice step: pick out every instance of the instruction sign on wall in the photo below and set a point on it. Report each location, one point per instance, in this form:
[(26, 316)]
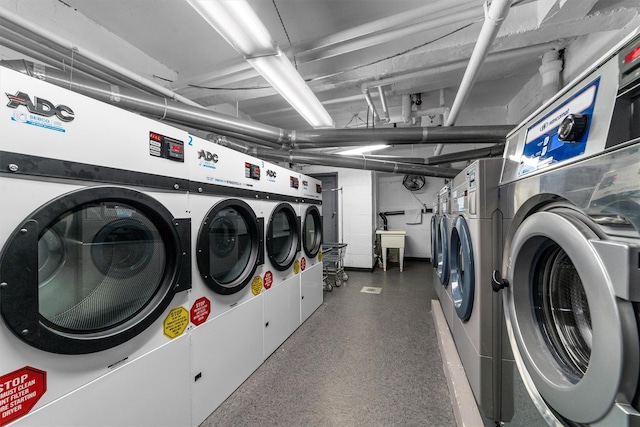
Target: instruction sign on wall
[(19, 392)]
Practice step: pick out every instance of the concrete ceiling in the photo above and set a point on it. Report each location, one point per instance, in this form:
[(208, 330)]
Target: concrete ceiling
[(337, 46)]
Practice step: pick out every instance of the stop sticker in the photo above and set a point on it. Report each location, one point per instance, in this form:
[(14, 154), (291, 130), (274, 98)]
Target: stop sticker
[(268, 279), (200, 311), (303, 263), (19, 392)]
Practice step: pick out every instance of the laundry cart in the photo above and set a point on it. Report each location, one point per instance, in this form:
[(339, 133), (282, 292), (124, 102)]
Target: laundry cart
[(333, 265)]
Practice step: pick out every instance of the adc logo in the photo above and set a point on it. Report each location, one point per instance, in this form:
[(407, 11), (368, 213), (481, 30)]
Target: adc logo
[(305, 183), (271, 174), (207, 156), (40, 106)]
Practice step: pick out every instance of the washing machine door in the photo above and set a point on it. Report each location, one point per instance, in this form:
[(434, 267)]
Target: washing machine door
[(283, 236), (434, 241), (442, 252), (312, 232), (572, 325), (92, 269), (229, 246), (462, 275)]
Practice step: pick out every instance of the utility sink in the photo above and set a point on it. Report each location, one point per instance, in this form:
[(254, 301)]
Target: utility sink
[(393, 238)]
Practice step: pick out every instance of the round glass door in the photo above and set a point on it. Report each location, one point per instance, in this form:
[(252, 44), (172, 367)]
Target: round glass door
[(282, 236), (442, 252), (228, 247), (577, 340), (312, 232), (434, 241), (90, 270), (462, 276)]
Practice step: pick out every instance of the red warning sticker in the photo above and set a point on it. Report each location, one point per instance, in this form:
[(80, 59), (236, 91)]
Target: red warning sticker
[(200, 311), (268, 279), (303, 263), (19, 392)]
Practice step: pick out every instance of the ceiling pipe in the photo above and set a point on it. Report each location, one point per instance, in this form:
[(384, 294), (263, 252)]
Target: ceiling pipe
[(159, 108), (363, 163), (403, 135), (551, 74), (372, 107), (494, 18), (383, 102), (493, 151), (53, 41)]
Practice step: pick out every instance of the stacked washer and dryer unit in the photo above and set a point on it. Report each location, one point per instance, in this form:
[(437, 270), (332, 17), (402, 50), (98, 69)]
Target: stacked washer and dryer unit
[(570, 194), (95, 262), (112, 219)]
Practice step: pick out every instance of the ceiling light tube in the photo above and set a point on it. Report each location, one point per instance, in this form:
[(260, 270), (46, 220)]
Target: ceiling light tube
[(362, 150), (239, 25)]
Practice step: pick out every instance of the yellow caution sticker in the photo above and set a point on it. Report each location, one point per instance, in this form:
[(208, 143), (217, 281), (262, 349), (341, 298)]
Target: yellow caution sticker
[(296, 266), (256, 285), (320, 256), (176, 322)]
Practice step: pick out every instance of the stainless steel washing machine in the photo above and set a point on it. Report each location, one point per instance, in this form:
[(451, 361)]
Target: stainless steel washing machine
[(94, 262), (478, 322), (570, 191), (443, 253)]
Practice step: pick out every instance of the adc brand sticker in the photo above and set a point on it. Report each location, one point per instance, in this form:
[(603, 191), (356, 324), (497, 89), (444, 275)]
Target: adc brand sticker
[(176, 322), (268, 279), (296, 266), (19, 392), (256, 285)]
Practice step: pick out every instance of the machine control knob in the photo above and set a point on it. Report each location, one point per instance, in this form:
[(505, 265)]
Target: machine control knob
[(573, 127), (497, 282)]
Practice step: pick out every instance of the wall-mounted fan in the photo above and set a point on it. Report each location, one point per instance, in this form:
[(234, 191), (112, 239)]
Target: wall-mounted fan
[(413, 182)]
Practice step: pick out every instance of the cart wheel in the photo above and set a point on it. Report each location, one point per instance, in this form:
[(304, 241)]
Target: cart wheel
[(345, 276), (338, 282), (328, 288)]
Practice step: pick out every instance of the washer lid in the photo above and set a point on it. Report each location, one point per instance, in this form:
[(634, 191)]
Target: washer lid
[(577, 340), (91, 269)]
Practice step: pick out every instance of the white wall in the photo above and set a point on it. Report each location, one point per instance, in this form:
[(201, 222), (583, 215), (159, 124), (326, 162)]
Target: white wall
[(356, 204)]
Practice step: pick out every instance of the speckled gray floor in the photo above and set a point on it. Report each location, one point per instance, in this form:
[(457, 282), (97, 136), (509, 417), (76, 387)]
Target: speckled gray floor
[(360, 360)]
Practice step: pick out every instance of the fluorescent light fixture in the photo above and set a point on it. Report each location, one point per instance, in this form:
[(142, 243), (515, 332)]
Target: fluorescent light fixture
[(362, 150), (239, 25)]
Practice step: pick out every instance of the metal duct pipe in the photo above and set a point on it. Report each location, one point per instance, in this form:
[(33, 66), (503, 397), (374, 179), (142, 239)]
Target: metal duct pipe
[(161, 108), (493, 21), (493, 151), (372, 107), (408, 135), (550, 73), (383, 102), (354, 163)]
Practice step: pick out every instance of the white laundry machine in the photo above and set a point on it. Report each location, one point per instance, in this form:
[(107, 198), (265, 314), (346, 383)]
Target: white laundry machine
[(282, 295), (435, 235), (571, 282), (478, 321), (443, 252), (311, 261), (225, 202), (94, 265)]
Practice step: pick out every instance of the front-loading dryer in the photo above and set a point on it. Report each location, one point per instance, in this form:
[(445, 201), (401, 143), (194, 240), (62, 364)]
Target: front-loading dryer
[(310, 265), (225, 202), (570, 269), (282, 296), (478, 322), (94, 262)]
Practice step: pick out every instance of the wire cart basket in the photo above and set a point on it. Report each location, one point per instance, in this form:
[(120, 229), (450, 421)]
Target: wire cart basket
[(333, 266)]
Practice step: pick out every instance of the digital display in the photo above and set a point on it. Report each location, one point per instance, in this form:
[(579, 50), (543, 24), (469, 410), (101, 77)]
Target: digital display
[(295, 182), (251, 171), (166, 147), (632, 56)]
